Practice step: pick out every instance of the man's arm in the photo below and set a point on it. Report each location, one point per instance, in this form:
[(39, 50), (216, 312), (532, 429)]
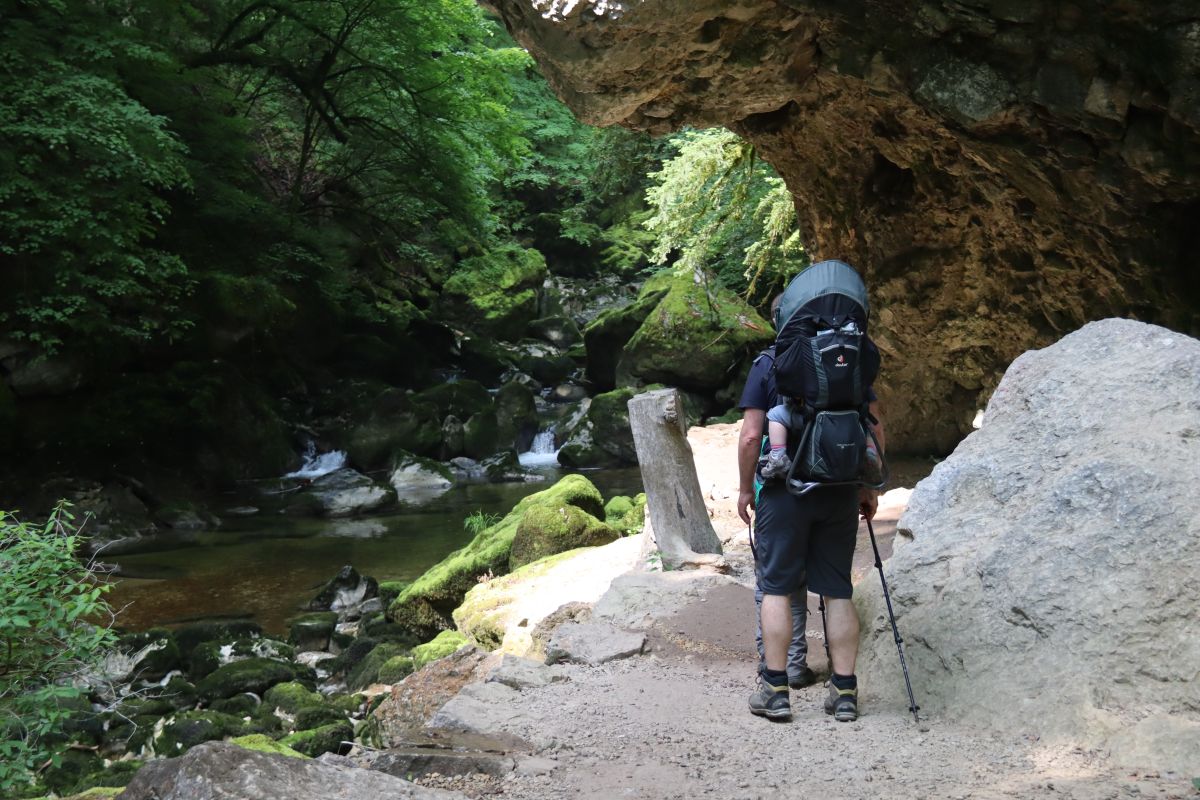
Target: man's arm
[(868, 499), (749, 450)]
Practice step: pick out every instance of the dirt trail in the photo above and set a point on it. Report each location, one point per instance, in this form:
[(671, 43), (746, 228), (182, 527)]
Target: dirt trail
[(674, 723)]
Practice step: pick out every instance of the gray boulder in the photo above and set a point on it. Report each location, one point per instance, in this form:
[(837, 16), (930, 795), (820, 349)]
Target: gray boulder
[(224, 771), (1047, 582), (592, 643), (344, 492)]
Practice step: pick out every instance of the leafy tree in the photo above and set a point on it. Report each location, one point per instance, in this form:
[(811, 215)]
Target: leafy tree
[(49, 605), (717, 208)]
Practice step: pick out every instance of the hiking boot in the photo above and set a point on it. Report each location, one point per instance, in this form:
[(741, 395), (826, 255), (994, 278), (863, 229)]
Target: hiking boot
[(775, 465), (842, 703), (803, 678), (770, 701)]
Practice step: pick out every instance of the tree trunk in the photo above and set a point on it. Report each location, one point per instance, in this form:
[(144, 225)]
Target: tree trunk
[(673, 499)]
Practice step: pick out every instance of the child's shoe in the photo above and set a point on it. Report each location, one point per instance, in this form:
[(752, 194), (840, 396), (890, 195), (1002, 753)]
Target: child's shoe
[(775, 465)]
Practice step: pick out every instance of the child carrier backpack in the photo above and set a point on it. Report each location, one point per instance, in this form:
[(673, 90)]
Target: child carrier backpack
[(825, 364)]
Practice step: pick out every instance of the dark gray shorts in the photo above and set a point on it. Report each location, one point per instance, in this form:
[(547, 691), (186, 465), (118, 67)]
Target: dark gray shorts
[(814, 534)]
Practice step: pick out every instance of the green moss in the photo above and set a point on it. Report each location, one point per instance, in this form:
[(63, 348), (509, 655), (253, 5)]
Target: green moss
[(252, 675), (395, 669), (606, 336), (482, 617), (118, 773), (442, 645), (261, 743), (390, 590), (544, 531), (462, 398), (426, 605), (497, 290), (191, 635), (366, 672), (693, 338), (317, 717), (627, 515), (312, 631), (97, 792), (326, 739), (190, 728), (348, 703), (291, 697)]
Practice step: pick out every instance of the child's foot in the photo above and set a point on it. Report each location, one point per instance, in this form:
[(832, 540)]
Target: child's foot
[(775, 465)]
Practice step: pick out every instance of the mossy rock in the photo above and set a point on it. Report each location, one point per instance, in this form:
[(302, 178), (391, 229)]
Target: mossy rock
[(334, 738), (484, 360), (395, 669), (558, 330), (483, 616), (73, 766), (292, 697), (603, 437), (390, 590), (252, 675), (162, 654), (444, 644), (425, 606), (549, 369), (138, 706), (191, 635), (207, 657), (516, 416), (97, 792), (627, 515), (462, 398), (116, 774), (317, 717), (545, 531), (349, 703), (179, 692), (366, 672), (261, 743), (481, 435), (395, 421), (240, 705), (496, 291), (312, 631), (190, 728), (607, 335), (693, 338)]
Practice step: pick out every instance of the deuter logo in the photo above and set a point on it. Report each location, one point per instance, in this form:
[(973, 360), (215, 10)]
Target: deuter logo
[(841, 361)]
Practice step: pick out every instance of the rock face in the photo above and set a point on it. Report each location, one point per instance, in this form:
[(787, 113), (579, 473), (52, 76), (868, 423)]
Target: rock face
[(1002, 171), (1049, 586)]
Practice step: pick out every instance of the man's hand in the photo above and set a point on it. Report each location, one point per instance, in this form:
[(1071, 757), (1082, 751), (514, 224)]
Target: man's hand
[(868, 502), (745, 503)]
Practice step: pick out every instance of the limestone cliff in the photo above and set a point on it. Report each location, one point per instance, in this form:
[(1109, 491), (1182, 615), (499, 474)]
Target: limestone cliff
[(1003, 170)]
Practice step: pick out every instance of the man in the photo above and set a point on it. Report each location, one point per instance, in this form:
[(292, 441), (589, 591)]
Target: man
[(797, 538)]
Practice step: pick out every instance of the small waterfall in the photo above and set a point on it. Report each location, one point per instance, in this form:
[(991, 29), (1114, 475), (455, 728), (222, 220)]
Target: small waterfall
[(542, 453), (317, 464)]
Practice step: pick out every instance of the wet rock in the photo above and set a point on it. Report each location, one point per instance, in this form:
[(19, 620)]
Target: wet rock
[(207, 657), (312, 631), (452, 438), (251, 675), (516, 416), (222, 771), (394, 420), (568, 393), (345, 590), (558, 331), (601, 437), (190, 728), (505, 467), (592, 643), (481, 435), (193, 634), (419, 480), (344, 492), (147, 656)]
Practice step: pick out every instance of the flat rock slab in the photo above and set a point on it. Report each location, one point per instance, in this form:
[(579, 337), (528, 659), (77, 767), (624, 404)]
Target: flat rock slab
[(592, 643), (224, 771), (524, 673), (418, 762), (640, 599), (478, 708)]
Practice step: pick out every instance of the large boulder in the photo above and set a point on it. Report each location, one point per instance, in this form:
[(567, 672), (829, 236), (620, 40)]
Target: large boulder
[(516, 416), (1002, 171), (225, 771), (393, 420), (345, 492), (601, 437), (419, 480), (425, 605), (1048, 582), (695, 338), (545, 531), (606, 336), (497, 291)]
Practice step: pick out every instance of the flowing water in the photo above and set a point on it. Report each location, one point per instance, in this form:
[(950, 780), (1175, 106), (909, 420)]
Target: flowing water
[(267, 567)]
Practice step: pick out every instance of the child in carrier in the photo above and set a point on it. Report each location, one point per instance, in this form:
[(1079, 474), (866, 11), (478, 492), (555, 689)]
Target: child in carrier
[(787, 416)]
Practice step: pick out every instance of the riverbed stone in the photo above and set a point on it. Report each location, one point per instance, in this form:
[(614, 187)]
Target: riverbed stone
[(190, 728), (425, 605), (546, 531), (559, 331), (292, 697), (252, 675), (1061, 535), (366, 671), (602, 437), (345, 492), (516, 416), (345, 590), (208, 656), (224, 771), (151, 654), (312, 631), (481, 434), (231, 630), (393, 420), (417, 698)]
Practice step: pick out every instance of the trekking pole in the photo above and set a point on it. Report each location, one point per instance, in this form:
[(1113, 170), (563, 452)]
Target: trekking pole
[(824, 630), (912, 702)]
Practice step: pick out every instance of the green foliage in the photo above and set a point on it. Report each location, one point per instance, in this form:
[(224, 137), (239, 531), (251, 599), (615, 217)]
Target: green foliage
[(477, 522), (717, 208), (49, 607)]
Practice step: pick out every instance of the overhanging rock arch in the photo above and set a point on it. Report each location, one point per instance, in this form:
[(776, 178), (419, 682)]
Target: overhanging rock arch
[(1004, 170)]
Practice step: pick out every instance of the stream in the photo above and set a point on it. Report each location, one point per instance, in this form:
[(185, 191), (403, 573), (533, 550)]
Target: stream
[(267, 567)]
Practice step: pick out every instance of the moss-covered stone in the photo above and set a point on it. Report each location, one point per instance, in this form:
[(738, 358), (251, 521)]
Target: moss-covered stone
[(442, 645), (496, 291), (627, 515), (394, 420), (318, 716), (116, 774), (462, 398), (366, 672), (516, 416), (261, 743), (603, 436), (693, 338), (390, 590), (545, 531), (483, 615), (481, 435), (292, 697), (96, 792), (208, 656), (193, 634), (312, 631), (73, 766), (425, 606), (557, 330), (335, 738), (607, 335), (348, 703), (240, 705), (159, 652), (190, 728), (252, 675), (395, 669)]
